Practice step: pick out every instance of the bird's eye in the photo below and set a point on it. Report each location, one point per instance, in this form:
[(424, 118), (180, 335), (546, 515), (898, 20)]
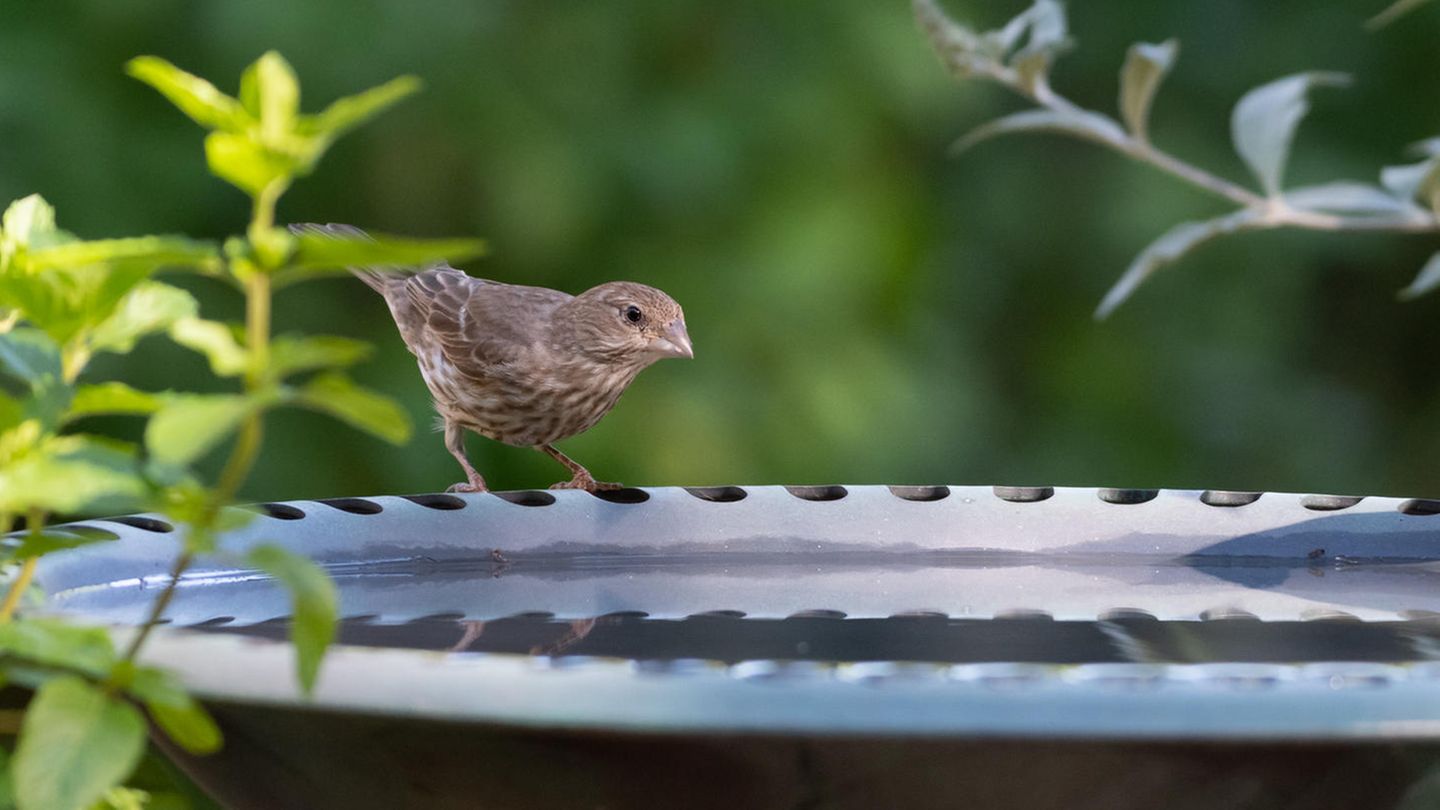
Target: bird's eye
[(633, 314)]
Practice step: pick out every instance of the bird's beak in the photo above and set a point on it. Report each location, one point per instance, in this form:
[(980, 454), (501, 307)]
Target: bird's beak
[(675, 342)]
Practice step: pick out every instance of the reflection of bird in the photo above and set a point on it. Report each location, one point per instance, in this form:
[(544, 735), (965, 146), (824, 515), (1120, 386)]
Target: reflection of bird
[(526, 366)]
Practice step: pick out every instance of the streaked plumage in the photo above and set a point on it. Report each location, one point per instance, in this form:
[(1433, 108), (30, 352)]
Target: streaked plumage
[(526, 366)]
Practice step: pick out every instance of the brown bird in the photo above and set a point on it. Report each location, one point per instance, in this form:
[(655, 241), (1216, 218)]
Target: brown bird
[(527, 366)]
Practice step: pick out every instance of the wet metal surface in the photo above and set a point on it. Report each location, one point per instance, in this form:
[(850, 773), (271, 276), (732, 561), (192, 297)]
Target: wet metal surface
[(959, 611)]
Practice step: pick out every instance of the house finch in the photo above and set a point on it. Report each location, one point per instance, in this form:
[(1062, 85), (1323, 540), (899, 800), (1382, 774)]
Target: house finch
[(526, 366)]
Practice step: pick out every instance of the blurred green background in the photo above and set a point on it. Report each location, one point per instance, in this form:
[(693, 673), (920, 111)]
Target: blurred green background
[(864, 308)]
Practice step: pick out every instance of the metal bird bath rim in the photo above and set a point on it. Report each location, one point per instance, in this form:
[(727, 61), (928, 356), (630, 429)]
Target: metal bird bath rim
[(952, 612)]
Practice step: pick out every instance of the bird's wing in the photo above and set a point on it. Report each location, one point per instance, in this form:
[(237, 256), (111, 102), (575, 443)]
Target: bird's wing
[(481, 327)]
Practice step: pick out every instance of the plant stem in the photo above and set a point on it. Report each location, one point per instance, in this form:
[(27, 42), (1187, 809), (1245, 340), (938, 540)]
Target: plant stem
[(962, 51), (157, 609), (1126, 144), (247, 444), (35, 523)]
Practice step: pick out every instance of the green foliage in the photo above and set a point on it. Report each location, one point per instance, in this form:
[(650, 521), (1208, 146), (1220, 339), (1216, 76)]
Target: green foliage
[(64, 300), (260, 142), (314, 606), (190, 425), (76, 743), (1262, 127), (339, 396)]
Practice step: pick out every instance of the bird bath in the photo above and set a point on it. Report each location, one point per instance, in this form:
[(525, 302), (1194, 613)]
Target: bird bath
[(807, 647)]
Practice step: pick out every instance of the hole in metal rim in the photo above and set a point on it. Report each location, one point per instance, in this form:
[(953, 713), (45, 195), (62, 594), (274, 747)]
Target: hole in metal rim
[(1420, 506), (1327, 615), (533, 615), (142, 523), (1128, 614), (444, 616), (920, 493), (1128, 496), (831, 492), (920, 614), (360, 618), (817, 614), (215, 621), (1227, 615), (81, 530), (355, 506), (623, 495), (1221, 497), (1329, 503), (280, 511), (1024, 494), (624, 614), (527, 497), (436, 500), (1024, 614), (718, 494), (719, 614)]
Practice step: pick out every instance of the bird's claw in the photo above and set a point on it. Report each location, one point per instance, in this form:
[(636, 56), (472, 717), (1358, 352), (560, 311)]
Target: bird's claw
[(467, 486), (586, 483)]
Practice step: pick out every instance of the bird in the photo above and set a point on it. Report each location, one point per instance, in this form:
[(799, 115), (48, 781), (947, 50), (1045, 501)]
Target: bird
[(525, 366)]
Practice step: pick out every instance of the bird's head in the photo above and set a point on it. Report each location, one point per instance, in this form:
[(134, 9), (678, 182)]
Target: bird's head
[(625, 322)]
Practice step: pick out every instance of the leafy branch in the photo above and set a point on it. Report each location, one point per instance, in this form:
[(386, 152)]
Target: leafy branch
[(1019, 57), (64, 300)]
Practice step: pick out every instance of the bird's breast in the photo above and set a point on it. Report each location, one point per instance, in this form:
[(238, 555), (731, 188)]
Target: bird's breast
[(524, 406)]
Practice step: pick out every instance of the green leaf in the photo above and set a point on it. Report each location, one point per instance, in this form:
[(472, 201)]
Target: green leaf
[(1082, 124), (246, 164), (58, 644), (155, 251), (216, 341), (325, 250), (1169, 248), (29, 355), (195, 97), (45, 542), (1427, 280), (150, 307), (182, 718), (27, 218), (76, 743), (347, 113), (1264, 122), (314, 606), (337, 395), (270, 92), (7, 782), (70, 474), (111, 399), (191, 424), (1145, 67), (1347, 197), (291, 354)]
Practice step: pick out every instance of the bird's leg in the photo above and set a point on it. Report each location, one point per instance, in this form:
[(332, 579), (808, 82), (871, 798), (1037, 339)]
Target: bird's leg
[(582, 480), (455, 443)]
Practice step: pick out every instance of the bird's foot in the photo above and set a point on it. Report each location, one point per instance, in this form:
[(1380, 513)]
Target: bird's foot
[(468, 486), (587, 483)]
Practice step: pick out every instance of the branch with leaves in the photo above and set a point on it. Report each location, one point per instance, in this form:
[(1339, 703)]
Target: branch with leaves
[(64, 300), (1019, 56)]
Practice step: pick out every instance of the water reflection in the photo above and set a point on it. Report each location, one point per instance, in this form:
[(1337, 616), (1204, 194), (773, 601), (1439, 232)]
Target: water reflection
[(909, 638)]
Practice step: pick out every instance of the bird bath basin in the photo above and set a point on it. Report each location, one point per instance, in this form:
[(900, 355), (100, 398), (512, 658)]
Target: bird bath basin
[(809, 647)]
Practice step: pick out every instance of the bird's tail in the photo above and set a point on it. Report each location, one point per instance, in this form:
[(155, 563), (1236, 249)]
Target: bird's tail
[(375, 277)]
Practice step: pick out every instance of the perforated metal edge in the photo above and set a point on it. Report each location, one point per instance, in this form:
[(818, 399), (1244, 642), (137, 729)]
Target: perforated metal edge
[(869, 526)]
